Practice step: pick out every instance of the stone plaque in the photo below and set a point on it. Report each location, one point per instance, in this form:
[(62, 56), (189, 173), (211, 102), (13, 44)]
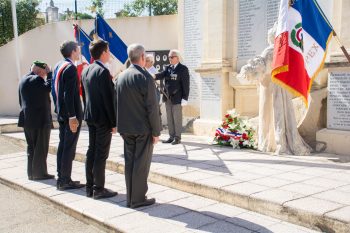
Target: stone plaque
[(193, 45), (211, 98), (338, 112), (255, 17)]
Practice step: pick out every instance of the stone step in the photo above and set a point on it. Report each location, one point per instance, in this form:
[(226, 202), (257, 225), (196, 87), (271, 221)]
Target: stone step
[(308, 191), (175, 211)]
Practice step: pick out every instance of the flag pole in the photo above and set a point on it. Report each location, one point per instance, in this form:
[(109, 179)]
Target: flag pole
[(341, 46), (334, 33)]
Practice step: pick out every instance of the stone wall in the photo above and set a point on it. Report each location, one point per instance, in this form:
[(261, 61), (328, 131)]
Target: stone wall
[(42, 43)]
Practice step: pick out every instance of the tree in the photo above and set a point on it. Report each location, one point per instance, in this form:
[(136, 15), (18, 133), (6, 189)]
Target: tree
[(97, 7), (27, 13), (69, 15), (154, 7)]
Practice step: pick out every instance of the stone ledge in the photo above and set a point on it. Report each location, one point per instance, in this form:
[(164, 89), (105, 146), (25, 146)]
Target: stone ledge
[(335, 141), (65, 209), (283, 211)]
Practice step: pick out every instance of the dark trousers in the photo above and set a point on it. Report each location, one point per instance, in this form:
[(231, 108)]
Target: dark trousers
[(174, 118), (37, 149), (138, 151), (97, 154), (66, 151)]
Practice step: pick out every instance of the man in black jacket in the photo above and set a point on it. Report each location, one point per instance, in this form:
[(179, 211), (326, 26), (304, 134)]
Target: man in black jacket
[(177, 88), (65, 93), (35, 118), (99, 114), (138, 122)]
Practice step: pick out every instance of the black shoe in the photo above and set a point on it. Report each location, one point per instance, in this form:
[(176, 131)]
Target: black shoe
[(168, 141), (146, 202), (104, 193), (89, 191), (44, 177), (70, 185), (176, 141)]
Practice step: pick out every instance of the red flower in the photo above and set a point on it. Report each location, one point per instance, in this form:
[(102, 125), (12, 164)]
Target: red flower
[(217, 134), (227, 115), (245, 136)]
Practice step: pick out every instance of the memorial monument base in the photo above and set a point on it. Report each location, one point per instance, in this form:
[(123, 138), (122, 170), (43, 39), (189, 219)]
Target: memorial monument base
[(336, 141), (205, 127)]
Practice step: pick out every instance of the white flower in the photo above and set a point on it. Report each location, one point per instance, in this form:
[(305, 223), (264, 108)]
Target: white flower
[(234, 143), (233, 113)]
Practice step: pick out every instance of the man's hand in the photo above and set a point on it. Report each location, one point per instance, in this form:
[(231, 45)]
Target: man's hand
[(155, 140), (73, 124), (48, 69), (183, 102), (114, 130)]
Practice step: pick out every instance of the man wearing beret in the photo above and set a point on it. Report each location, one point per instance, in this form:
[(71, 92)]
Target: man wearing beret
[(65, 93), (35, 118)]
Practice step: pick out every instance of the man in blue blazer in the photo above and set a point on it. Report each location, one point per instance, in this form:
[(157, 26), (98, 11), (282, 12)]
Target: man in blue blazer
[(65, 92)]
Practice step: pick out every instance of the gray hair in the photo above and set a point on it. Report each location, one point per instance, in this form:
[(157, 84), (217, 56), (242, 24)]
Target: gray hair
[(177, 53), (135, 52), (150, 58)]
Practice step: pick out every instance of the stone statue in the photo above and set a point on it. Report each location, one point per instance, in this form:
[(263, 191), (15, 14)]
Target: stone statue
[(277, 130)]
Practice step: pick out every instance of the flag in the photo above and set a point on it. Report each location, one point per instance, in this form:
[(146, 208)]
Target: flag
[(84, 41), (302, 37), (117, 47)]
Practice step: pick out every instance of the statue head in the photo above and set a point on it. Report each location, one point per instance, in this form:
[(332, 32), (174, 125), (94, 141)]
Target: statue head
[(253, 70)]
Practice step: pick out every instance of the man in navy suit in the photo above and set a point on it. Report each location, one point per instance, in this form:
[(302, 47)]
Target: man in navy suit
[(65, 92), (99, 114), (35, 118)]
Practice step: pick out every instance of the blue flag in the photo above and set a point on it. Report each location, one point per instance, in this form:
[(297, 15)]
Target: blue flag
[(117, 47), (84, 41)]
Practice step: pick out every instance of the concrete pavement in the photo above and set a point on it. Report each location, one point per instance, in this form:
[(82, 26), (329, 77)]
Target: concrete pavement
[(175, 211), (311, 191)]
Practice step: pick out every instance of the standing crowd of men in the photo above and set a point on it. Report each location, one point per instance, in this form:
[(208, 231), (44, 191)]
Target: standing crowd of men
[(129, 106)]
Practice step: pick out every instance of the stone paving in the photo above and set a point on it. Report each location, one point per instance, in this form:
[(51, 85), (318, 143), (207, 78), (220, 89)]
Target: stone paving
[(175, 211), (313, 191)]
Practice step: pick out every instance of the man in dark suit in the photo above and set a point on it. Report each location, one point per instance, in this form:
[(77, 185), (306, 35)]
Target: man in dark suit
[(177, 88), (35, 118), (65, 92), (99, 114), (138, 122)]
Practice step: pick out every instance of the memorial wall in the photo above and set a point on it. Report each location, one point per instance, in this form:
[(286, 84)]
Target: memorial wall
[(193, 46), (338, 112)]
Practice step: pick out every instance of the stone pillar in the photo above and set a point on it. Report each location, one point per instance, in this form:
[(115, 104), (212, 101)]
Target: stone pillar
[(216, 95)]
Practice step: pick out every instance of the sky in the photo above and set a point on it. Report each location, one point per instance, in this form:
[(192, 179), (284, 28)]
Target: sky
[(110, 6)]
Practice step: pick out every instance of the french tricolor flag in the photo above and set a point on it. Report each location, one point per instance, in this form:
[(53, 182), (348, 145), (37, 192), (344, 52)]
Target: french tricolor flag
[(302, 37)]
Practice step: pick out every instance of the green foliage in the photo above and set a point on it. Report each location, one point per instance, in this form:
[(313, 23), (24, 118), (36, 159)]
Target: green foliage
[(26, 18), (153, 7), (97, 7), (71, 15)]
